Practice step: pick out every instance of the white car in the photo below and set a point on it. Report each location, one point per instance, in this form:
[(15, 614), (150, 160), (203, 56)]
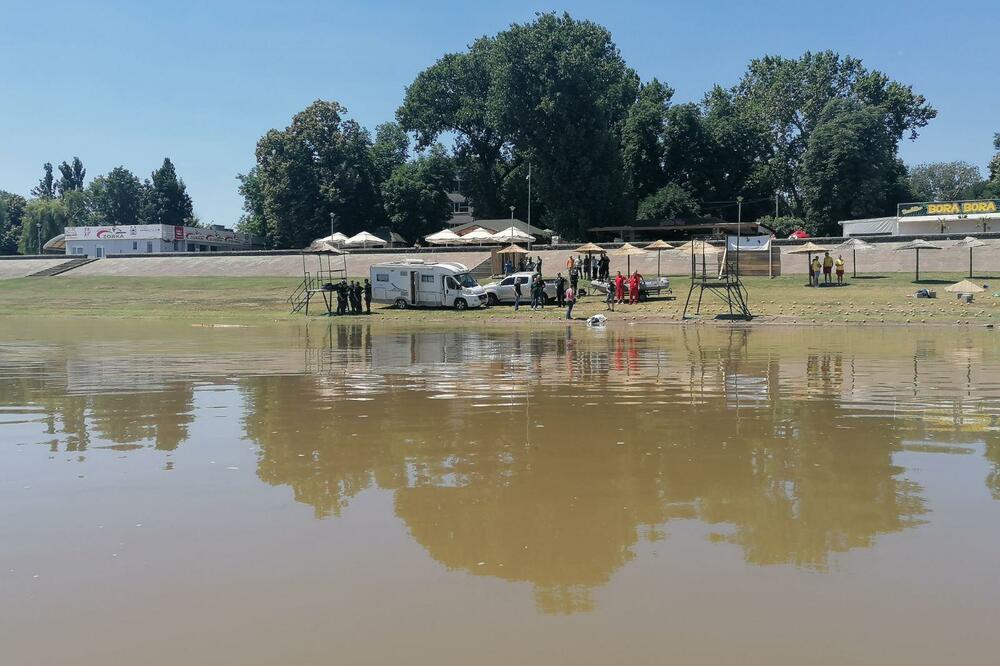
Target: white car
[(503, 291)]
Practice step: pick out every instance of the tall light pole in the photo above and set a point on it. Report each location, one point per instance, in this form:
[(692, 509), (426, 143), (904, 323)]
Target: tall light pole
[(511, 216), (39, 226), (739, 227), (529, 195), (333, 224)]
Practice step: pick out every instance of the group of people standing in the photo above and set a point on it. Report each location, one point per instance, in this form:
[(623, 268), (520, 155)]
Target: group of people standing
[(589, 266), (827, 266), (617, 295), (523, 264), (351, 296)]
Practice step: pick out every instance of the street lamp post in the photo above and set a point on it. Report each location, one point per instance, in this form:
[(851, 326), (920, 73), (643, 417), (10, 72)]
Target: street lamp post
[(739, 227), (512, 215), (39, 227)]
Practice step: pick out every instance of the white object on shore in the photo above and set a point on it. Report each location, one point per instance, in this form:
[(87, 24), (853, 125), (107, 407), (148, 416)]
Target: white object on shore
[(597, 320)]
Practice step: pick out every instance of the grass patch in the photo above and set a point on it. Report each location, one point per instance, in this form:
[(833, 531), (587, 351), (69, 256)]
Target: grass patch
[(869, 299)]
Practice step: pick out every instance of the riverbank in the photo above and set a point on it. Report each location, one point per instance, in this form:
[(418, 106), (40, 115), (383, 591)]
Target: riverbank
[(785, 300)]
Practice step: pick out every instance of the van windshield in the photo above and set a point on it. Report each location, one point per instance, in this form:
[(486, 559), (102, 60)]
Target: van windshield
[(466, 280)]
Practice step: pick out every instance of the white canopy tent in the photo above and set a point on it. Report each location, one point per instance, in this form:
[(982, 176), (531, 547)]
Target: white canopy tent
[(513, 235), (364, 239), (479, 236), (444, 237)]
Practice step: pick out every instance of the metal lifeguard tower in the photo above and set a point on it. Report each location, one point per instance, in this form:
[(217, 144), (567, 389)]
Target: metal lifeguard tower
[(723, 281), (322, 281)]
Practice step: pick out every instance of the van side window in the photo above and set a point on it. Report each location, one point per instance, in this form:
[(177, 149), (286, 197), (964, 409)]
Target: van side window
[(507, 282), (427, 278), (523, 280), (451, 283), (381, 277)]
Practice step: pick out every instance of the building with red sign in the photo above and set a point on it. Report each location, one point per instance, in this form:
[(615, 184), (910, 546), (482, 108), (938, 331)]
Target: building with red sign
[(154, 239)]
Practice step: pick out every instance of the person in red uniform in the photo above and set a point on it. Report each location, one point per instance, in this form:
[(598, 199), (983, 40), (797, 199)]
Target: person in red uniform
[(619, 288), (633, 288)]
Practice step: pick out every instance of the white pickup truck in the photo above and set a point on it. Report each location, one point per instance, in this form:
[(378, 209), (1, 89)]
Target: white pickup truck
[(503, 290)]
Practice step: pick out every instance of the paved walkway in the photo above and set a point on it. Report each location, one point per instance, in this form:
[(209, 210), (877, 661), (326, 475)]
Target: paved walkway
[(882, 259)]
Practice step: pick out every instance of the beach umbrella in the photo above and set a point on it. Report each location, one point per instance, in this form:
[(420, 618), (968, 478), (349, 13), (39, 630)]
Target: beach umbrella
[(479, 236), (513, 235), (808, 249), (970, 243), (589, 248), (364, 239), (628, 251), (512, 249), (964, 287), (695, 248), (444, 237), (855, 244), (918, 245), (659, 246)]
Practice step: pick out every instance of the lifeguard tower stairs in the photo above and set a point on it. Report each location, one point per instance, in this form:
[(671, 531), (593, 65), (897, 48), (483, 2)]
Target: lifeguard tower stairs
[(720, 278), (320, 282)]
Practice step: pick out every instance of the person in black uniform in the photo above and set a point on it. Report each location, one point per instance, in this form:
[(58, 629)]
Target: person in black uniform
[(342, 297), (368, 296), (560, 289), (358, 295)]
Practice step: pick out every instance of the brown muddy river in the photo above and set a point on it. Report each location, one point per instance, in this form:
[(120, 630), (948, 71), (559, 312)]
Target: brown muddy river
[(331, 494)]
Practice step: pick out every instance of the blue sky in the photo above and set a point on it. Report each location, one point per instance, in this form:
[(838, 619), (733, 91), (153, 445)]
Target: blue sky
[(131, 82)]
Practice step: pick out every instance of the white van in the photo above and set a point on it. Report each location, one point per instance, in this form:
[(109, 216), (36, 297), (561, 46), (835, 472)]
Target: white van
[(413, 282)]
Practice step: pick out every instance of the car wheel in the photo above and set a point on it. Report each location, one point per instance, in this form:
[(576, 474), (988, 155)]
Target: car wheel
[(460, 304), (400, 303), (492, 299)]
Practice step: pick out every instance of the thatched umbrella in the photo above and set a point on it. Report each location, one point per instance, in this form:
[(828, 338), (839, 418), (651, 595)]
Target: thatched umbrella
[(964, 287), (855, 244), (628, 251), (659, 246), (918, 245), (589, 248), (809, 249), (512, 249), (695, 248), (970, 243)]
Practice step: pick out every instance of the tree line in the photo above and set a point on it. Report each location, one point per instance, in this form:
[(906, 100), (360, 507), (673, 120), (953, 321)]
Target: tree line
[(805, 142), (116, 198)]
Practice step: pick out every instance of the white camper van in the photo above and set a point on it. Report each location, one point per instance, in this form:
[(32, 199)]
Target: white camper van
[(414, 282)]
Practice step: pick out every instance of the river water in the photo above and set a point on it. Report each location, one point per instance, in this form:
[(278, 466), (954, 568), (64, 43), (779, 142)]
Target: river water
[(326, 494)]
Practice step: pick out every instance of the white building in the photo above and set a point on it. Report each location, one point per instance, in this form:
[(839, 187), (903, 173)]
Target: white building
[(154, 238), (923, 219)]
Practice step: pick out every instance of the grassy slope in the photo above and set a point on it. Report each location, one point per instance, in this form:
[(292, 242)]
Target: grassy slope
[(237, 299)]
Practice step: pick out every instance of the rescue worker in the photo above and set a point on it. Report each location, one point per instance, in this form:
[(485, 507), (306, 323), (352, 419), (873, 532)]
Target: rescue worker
[(634, 283)]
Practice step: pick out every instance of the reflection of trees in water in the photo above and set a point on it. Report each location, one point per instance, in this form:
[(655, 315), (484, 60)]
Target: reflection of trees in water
[(993, 478), (123, 418), (563, 508)]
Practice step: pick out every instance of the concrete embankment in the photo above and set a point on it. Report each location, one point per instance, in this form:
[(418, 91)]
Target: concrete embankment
[(882, 258)]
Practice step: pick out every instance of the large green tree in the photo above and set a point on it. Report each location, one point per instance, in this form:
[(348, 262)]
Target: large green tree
[(46, 185), (389, 151), (11, 214), (789, 98), (453, 96), (253, 220), (850, 169), (116, 198), (71, 176), (166, 200), (643, 141), (415, 195), (317, 166), (562, 91), (45, 216), (995, 162), (669, 202), (945, 181)]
